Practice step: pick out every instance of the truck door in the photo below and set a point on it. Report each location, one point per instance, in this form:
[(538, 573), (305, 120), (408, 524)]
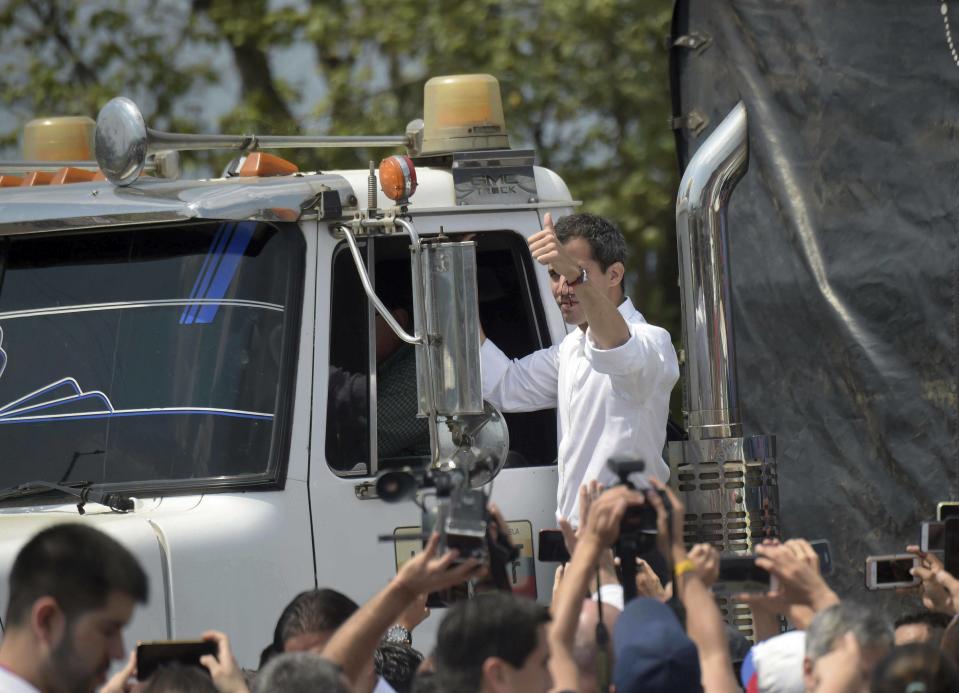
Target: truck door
[(365, 401)]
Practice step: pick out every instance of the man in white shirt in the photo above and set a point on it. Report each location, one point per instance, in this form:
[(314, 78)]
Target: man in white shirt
[(72, 592), (610, 379)]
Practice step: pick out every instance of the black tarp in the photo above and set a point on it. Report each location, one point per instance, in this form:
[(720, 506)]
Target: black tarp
[(843, 245)]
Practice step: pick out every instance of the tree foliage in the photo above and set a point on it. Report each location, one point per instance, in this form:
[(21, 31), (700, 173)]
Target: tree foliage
[(584, 83)]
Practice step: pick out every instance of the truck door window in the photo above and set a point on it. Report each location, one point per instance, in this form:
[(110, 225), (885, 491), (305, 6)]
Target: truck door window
[(157, 357), (511, 314)]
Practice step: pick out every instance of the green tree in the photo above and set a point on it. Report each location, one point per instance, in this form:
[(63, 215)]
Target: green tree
[(584, 83)]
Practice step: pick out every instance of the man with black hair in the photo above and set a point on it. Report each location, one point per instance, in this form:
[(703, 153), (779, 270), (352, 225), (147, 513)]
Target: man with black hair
[(397, 664), (310, 619), (610, 379), (496, 642), (72, 591), (921, 626)]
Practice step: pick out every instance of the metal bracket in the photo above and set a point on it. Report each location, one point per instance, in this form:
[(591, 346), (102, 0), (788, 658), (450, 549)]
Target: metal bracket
[(366, 490), (694, 41), (694, 121), (326, 202)]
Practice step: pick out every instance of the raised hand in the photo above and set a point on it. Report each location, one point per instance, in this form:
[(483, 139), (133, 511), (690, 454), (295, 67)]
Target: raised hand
[(587, 494), (706, 558), (547, 250), (933, 594), (426, 573), (224, 670)]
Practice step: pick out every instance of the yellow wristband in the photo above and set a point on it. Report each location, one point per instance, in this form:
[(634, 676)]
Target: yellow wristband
[(684, 567)]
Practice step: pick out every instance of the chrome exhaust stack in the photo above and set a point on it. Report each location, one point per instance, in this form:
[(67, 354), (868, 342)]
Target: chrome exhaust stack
[(726, 480)]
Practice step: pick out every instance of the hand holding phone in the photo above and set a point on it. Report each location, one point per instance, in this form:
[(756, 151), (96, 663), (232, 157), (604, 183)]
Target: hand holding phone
[(741, 575)]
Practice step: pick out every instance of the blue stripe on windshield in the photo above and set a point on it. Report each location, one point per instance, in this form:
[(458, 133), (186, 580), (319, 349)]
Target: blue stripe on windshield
[(207, 270), (225, 271)]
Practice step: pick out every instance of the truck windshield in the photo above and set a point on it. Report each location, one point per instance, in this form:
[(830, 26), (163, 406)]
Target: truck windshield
[(147, 356)]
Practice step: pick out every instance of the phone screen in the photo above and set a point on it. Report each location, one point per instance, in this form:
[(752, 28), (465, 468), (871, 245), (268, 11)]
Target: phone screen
[(152, 655), (552, 547), (741, 574), (894, 570), (950, 541), (932, 536)]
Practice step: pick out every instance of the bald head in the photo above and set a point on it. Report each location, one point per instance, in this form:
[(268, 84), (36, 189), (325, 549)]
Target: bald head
[(584, 646)]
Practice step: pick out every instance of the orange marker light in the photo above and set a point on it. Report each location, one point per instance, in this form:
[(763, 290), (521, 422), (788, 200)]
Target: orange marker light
[(397, 177), (264, 164)]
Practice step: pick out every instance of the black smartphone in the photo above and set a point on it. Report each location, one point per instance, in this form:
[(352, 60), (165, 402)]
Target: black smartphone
[(932, 537), (890, 572), (821, 547), (741, 574), (552, 547), (950, 545), (156, 653), (946, 509)]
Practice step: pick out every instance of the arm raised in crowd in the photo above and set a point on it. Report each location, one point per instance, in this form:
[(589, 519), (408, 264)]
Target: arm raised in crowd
[(353, 643), (704, 623), (595, 536)]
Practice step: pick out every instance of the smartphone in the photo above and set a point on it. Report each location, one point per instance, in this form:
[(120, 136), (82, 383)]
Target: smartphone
[(552, 547), (821, 547), (932, 537), (946, 509), (154, 654), (741, 574), (950, 545), (890, 572)]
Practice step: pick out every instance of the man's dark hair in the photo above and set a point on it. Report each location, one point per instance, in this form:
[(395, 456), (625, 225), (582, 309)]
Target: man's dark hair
[(932, 619), (177, 678), (313, 611), (916, 666), (606, 243), (491, 625), (397, 664), (76, 565)]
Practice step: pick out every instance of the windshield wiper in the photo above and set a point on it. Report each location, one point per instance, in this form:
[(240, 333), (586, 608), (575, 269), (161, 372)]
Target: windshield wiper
[(79, 489)]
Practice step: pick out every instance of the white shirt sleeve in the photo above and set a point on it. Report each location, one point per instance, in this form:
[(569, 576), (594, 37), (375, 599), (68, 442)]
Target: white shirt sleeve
[(648, 355), (612, 595), (525, 384)]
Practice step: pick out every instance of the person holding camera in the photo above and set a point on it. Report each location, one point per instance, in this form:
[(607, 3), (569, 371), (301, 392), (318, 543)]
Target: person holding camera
[(610, 379)]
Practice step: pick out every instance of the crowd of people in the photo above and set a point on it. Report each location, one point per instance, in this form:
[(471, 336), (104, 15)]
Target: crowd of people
[(73, 589)]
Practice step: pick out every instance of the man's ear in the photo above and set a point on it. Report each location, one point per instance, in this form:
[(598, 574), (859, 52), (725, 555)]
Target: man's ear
[(615, 273), (47, 621), (495, 674), (807, 674)]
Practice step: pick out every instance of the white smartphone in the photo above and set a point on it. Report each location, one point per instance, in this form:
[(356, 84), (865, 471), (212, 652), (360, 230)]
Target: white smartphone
[(890, 572)]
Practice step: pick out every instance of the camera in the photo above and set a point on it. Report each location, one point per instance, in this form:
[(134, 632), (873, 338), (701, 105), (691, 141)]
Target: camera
[(638, 528)]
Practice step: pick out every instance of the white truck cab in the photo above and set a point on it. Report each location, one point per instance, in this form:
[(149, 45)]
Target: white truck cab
[(206, 348)]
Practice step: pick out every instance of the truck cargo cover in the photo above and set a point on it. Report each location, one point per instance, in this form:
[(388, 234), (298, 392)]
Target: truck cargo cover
[(843, 252)]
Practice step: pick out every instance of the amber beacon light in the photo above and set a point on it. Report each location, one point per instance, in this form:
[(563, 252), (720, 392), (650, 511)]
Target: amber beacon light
[(398, 177)]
